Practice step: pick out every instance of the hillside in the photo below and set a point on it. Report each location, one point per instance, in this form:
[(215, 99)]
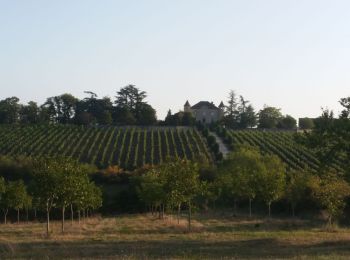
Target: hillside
[(128, 148), (280, 143), (133, 147)]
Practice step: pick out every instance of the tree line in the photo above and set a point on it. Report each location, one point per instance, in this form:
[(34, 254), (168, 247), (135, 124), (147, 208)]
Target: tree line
[(128, 108), (239, 113), (249, 176), (51, 183)]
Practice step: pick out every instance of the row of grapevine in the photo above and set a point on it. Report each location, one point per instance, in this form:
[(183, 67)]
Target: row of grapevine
[(129, 148), (281, 144)]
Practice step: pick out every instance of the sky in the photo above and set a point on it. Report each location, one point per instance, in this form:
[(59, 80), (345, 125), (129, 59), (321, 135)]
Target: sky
[(294, 55)]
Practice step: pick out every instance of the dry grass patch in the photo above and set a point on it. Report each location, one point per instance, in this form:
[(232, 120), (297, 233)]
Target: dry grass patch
[(145, 236)]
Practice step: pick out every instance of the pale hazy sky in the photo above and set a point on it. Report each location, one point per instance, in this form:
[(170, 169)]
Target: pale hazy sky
[(291, 54)]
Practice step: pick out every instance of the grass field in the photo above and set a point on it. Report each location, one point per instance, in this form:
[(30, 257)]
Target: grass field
[(146, 237)]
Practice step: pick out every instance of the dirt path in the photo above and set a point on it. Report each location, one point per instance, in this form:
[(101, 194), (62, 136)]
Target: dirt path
[(222, 146)]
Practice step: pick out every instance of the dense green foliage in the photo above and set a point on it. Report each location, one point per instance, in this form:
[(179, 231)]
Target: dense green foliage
[(128, 148), (247, 174), (171, 185), (129, 108), (330, 139)]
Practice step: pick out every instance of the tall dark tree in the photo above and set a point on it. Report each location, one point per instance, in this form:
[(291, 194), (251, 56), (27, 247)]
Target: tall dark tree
[(345, 103), (269, 117), (9, 110), (247, 115), (123, 116), (231, 108), (287, 122), (188, 119), (131, 99), (250, 117), (231, 111), (306, 123), (168, 118), (147, 115), (61, 109), (29, 114)]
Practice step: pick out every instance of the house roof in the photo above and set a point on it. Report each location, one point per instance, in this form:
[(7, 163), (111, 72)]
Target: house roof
[(207, 104), (187, 104)]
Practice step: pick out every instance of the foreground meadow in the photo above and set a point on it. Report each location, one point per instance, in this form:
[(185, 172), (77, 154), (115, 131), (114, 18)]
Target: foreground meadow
[(146, 237)]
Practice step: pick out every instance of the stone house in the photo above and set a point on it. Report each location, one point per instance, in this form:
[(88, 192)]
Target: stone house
[(205, 112)]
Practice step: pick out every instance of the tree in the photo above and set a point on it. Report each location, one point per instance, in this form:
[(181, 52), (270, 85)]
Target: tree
[(174, 183), (130, 97), (105, 118), (29, 114), (132, 100), (271, 180), (345, 103), (146, 115), (188, 119), (47, 184), (296, 187), (287, 122), (92, 110), (330, 191), (9, 110), (248, 118), (73, 178), (246, 166), (169, 118), (269, 117), (94, 200), (2, 192), (87, 196), (182, 184), (2, 186), (330, 140), (123, 116), (306, 123), (231, 110), (61, 182), (61, 109), (152, 191), (14, 198), (27, 205)]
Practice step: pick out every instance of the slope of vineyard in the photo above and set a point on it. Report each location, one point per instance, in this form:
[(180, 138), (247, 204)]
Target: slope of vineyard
[(280, 143), (129, 148)]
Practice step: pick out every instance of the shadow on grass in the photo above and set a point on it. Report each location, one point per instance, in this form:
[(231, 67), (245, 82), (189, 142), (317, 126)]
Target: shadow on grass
[(256, 248), (264, 225)]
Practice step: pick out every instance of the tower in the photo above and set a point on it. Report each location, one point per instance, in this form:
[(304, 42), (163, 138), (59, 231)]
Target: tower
[(187, 107)]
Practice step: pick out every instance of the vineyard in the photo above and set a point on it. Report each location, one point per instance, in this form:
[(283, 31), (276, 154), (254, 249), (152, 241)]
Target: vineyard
[(129, 148), (280, 143)]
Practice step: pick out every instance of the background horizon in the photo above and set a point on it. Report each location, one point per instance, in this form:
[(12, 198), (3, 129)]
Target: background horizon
[(294, 56)]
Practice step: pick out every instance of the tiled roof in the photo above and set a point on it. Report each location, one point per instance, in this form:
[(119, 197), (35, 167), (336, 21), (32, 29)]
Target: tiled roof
[(207, 104)]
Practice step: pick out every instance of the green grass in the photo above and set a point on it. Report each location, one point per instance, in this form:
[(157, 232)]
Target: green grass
[(146, 237)]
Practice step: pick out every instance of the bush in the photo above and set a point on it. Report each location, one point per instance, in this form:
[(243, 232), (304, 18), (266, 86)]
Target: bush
[(211, 140)]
